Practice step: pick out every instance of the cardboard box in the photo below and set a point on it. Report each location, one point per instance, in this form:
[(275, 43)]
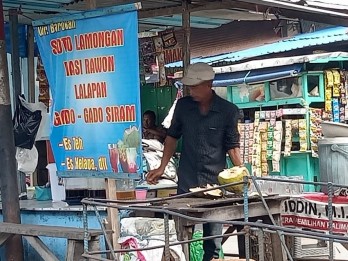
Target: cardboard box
[(163, 193)]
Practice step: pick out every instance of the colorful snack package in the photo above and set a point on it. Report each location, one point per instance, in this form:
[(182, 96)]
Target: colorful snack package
[(336, 78), (329, 80), (335, 110)]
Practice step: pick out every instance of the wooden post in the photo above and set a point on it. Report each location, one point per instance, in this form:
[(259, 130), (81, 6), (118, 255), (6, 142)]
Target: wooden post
[(16, 73), (16, 78), (31, 80), (91, 4), (8, 170), (113, 215), (187, 36), (31, 68)]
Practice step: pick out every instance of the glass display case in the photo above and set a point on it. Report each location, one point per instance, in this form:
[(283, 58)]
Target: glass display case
[(304, 89)]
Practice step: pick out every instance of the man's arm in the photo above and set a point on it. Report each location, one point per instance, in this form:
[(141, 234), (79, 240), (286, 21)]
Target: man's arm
[(232, 137), (158, 132), (174, 133), (235, 156), (169, 149)]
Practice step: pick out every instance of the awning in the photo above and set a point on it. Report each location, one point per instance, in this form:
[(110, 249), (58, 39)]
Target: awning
[(255, 76), (282, 61)]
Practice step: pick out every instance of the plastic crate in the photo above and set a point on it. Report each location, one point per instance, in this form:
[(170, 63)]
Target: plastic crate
[(309, 250)]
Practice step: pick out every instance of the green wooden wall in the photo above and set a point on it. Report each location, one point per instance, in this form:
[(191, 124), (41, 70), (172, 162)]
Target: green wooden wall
[(157, 99)]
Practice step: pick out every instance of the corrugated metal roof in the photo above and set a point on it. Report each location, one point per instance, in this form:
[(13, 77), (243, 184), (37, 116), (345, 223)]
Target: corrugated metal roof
[(230, 37), (322, 37), (176, 20), (159, 14), (331, 4)]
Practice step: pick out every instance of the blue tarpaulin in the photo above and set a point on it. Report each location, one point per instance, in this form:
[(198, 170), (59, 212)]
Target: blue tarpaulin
[(22, 40), (253, 76)]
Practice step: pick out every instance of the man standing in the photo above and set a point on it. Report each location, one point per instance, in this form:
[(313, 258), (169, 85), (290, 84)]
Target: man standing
[(208, 125)]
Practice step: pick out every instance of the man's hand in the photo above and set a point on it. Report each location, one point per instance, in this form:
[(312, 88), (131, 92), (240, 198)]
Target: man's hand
[(169, 149), (153, 176), (145, 130)]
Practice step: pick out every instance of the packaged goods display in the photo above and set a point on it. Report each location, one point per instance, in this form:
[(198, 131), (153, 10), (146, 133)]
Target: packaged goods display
[(279, 129)]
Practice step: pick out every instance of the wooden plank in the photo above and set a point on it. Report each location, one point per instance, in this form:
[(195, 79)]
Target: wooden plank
[(91, 4), (50, 231), (4, 237), (41, 248), (278, 252), (185, 207), (70, 250), (75, 249), (94, 245), (224, 201), (186, 45), (234, 212), (184, 233), (196, 202)]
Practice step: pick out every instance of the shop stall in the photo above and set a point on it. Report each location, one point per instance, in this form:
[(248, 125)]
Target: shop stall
[(281, 110)]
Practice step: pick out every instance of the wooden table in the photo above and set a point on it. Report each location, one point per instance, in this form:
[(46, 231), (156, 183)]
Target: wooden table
[(224, 210)]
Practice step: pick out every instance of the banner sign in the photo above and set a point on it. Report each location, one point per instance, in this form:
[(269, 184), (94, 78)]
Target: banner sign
[(92, 65), (305, 213)]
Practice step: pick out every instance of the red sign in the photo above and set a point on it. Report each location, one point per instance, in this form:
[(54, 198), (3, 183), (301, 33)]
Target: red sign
[(173, 55), (305, 213)]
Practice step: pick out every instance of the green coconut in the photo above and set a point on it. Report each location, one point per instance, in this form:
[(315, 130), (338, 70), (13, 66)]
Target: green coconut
[(233, 175)]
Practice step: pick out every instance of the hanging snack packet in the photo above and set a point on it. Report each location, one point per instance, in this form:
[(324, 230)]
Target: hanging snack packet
[(329, 81), (302, 134), (288, 138)]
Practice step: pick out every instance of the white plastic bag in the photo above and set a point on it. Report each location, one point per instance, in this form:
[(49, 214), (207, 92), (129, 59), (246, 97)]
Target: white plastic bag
[(27, 160), (152, 144), (153, 159), (168, 119)]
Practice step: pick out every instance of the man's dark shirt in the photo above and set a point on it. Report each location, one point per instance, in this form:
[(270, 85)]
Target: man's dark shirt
[(206, 139)]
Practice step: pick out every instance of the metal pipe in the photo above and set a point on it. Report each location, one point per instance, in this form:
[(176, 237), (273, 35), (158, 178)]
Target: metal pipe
[(302, 182), (205, 220), (107, 239), (294, 234), (166, 238), (261, 243), (85, 228), (330, 192), (92, 257), (281, 237), (246, 216), (170, 244)]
